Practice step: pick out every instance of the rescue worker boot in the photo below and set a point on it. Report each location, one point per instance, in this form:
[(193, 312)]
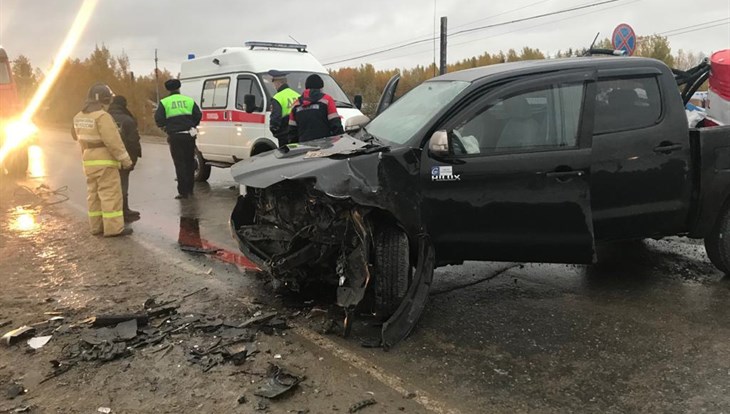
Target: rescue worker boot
[(131, 216), (126, 232)]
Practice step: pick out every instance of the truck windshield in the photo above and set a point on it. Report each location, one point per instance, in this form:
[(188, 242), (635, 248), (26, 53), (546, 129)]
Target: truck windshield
[(406, 116), (296, 80)]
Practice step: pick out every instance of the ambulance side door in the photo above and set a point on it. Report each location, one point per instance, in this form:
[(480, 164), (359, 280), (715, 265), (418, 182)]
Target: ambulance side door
[(250, 127), (214, 138)]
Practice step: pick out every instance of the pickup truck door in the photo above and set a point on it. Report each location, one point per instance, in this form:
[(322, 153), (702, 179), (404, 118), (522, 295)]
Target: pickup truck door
[(640, 179), (516, 185), (388, 95)]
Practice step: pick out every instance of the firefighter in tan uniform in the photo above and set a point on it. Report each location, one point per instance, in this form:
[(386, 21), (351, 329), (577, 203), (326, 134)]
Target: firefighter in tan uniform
[(103, 155)]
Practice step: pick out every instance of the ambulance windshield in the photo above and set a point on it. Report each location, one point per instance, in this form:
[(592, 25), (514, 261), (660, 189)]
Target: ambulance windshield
[(296, 80)]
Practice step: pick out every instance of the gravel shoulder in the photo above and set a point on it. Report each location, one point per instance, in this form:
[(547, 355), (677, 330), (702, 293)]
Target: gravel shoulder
[(50, 265)]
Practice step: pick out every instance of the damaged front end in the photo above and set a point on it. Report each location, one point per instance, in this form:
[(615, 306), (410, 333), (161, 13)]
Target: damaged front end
[(299, 236), (334, 223)]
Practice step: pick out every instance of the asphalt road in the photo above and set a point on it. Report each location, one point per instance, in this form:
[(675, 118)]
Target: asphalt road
[(645, 330)]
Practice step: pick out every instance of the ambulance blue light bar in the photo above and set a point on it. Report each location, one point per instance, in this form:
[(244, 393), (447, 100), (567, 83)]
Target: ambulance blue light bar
[(270, 45)]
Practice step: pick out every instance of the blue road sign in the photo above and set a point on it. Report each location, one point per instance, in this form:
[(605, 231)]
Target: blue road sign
[(624, 39)]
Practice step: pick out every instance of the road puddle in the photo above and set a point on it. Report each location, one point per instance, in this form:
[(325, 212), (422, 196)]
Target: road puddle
[(24, 220)]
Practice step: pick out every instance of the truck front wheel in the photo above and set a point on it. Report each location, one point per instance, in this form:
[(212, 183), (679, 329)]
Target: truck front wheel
[(392, 270), (16, 163), (717, 244), (202, 169)]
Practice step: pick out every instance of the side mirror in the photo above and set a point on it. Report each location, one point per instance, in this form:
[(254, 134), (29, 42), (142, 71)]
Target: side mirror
[(358, 101), (438, 145), (356, 122), (249, 102)]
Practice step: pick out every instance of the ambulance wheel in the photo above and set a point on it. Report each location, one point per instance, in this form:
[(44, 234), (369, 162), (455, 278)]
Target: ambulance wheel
[(717, 244), (392, 270), (202, 169)]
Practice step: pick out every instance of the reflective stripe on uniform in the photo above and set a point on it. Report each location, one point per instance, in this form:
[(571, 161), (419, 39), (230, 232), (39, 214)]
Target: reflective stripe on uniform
[(95, 213), (177, 105), (112, 214), (102, 163)]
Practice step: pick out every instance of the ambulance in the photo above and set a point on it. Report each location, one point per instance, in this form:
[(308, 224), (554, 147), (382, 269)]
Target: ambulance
[(234, 92)]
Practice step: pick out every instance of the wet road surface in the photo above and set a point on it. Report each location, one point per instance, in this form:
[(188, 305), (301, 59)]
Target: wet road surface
[(645, 330)]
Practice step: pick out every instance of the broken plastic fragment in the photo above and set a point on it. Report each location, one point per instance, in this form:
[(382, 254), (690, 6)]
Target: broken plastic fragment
[(39, 341), (280, 381), (17, 334)]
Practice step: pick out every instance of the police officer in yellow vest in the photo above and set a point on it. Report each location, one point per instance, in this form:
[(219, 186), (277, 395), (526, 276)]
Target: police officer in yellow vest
[(103, 155), (179, 115), (281, 106)]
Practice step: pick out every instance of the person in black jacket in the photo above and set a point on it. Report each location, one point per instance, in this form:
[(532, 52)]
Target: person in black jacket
[(314, 114), (179, 115), (127, 125)]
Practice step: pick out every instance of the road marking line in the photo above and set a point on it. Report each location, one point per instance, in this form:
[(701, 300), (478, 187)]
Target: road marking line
[(392, 381)]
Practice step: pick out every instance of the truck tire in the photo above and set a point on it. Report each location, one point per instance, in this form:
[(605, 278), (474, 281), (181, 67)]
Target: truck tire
[(202, 170), (392, 270), (717, 244), (17, 163)]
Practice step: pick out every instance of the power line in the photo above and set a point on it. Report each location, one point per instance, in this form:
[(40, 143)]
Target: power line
[(698, 29), (520, 29), (503, 13), (725, 19), (489, 26), (434, 38), (475, 29)]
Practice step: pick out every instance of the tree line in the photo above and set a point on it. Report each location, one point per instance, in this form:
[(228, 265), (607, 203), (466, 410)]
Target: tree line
[(69, 92)]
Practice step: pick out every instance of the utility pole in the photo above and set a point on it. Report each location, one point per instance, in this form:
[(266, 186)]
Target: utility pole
[(442, 67), (157, 78)]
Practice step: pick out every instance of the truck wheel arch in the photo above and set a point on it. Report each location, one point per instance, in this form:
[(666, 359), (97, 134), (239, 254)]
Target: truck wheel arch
[(262, 145)]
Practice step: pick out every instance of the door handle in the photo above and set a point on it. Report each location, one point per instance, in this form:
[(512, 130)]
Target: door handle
[(668, 148), (565, 176)]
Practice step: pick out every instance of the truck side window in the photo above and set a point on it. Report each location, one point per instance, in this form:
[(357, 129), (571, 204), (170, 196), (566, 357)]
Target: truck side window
[(543, 118), (625, 104), (215, 93), (248, 86)]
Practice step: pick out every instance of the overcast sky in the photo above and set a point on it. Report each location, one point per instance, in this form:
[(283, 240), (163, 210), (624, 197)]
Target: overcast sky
[(335, 30)]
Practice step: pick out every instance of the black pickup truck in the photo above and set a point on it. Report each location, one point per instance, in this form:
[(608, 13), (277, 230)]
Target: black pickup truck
[(534, 161)]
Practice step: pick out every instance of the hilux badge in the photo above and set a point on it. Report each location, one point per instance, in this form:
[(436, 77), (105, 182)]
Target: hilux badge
[(444, 173)]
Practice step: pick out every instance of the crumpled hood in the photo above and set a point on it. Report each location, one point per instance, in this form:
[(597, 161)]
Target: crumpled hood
[(297, 161)]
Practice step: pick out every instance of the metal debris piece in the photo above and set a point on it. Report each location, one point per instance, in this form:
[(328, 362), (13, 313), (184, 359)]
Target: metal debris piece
[(14, 390), (101, 321), (105, 410), (209, 325), (362, 404), (39, 341), (16, 335), (23, 409), (237, 353), (201, 250), (127, 330), (258, 318), (279, 383)]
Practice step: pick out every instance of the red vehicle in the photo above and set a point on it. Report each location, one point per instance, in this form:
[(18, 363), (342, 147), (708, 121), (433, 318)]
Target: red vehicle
[(16, 162)]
